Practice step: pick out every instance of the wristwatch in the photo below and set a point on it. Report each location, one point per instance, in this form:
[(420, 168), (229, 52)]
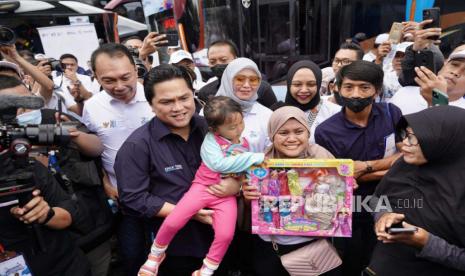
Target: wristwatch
[(369, 168), (50, 215)]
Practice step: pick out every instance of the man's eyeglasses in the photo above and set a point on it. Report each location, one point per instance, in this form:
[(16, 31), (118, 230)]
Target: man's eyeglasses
[(342, 62), (241, 79), (411, 138)]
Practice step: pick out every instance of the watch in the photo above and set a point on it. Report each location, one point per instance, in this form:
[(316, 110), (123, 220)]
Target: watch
[(369, 168), (50, 215)]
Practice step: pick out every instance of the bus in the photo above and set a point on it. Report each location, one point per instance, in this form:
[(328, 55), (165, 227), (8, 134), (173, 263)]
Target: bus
[(276, 33)]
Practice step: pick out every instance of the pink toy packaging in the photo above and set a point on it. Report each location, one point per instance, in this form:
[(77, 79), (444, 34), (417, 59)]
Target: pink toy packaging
[(303, 197)]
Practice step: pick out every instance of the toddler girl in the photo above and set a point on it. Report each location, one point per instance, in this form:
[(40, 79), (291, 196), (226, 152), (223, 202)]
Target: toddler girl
[(223, 153)]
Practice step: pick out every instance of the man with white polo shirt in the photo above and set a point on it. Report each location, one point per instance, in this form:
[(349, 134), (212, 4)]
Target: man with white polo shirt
[(113, 115), (73, 87), (450, 79)]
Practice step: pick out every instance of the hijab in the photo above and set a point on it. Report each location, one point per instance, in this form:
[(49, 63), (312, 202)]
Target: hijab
[(279, 117), (439, 183), (227, 87), (290, 75)]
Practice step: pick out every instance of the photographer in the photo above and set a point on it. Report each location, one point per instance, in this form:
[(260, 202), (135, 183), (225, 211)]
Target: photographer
[(79, 177), (76, 87), (10, 53), (50, 209)]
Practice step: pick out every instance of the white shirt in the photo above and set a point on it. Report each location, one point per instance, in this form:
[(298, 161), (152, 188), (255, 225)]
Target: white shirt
[(369, 56), (409, 100), (390, 86), (327, 110), (113, 121), (256, 127), (62, 83)]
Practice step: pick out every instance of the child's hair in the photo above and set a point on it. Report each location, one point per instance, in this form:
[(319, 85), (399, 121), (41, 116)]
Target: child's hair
[(217, 110)]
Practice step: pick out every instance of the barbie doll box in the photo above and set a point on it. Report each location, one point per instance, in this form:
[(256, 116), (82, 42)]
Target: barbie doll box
[(303, 197)]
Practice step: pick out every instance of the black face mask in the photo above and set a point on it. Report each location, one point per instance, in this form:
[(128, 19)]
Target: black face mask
[(356, 104), (338, 98), (218, 70)]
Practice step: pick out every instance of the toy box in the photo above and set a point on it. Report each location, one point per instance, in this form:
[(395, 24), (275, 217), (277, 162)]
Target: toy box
[(303, 197)]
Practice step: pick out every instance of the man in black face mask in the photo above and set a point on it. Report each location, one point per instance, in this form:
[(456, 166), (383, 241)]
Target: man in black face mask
[(363, 131), (220, 54)]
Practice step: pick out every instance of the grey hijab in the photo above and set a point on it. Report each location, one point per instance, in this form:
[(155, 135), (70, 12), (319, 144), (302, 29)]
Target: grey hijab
[(226, 87)]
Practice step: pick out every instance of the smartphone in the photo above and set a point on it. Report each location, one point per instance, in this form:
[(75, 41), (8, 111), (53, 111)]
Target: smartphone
[(439, 98), (425, 58), (435, 14), (395, 35), (172, 38), (397, 230)]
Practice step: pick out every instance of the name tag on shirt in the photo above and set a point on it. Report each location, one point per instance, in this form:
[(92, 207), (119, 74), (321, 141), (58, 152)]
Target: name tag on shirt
[(15, 265), (173, 168), (390, 145)]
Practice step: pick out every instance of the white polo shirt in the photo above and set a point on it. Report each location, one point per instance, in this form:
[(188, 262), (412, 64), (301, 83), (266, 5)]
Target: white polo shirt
[(61, 87), (256, 127), (113, 121), (327, 110), (409, 100)]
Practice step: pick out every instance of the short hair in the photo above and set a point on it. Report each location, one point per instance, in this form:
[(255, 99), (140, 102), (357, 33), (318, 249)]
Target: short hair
[(166, 72), (226, 42), (218, 109), (112, 50), (9, 82), (63, 56), (354, 47), (362, 70), (131, 38)]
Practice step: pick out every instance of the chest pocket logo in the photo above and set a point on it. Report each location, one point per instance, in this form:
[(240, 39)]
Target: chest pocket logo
[(176, 167)]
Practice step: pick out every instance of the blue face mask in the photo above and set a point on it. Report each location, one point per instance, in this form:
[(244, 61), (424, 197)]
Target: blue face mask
[(30, 118)]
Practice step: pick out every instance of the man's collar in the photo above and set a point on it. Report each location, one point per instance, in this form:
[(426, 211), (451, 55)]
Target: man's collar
[(349, 124)]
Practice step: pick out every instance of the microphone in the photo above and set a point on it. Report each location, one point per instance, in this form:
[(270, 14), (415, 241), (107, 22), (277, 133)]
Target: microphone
[(13, 101)]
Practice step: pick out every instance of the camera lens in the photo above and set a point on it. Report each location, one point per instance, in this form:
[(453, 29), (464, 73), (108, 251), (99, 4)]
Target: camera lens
[(7, 36)]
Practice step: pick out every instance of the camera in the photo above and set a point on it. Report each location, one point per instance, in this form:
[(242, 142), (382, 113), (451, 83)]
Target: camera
[(140, 65), (7, 36)]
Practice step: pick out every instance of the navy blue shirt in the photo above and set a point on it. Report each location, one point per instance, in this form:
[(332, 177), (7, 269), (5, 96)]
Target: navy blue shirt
[(345, 139), (154, 166)]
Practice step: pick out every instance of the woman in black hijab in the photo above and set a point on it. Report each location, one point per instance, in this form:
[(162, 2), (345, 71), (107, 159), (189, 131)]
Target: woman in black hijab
[(303, 86), (426, 189)]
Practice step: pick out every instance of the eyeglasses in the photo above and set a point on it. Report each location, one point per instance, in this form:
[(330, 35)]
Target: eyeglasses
[(342, 62), (411, 138), (241, 79)]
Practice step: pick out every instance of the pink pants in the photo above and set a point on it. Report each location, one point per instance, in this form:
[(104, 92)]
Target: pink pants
[(224, 219)]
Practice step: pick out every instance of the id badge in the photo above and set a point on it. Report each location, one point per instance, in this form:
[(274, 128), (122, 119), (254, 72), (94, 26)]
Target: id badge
[(13, 264), (390, 145)]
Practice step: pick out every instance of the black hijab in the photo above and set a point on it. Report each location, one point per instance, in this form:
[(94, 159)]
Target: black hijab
[(290, 75), (439, 184)]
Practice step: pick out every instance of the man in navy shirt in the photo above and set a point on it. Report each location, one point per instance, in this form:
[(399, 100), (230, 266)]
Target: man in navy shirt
[(157, 163), (365, 132)]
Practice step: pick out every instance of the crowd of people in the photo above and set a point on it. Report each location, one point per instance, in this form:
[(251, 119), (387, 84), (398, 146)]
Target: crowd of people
[(157, 161)]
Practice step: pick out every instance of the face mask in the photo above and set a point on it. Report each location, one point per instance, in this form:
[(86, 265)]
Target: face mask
[(29, 118), (338, 98), (218, 70), (357, 104)]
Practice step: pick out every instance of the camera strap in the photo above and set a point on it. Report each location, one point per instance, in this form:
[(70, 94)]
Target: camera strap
[(59, 175)]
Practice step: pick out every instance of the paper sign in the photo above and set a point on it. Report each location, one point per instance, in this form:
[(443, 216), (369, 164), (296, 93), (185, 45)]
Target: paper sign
[(79, 40)]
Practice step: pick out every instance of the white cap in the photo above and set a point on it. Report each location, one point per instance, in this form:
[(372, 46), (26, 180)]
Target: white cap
[(180, 55), (40, 56), (381, 38), (457, 55), (401, 47)]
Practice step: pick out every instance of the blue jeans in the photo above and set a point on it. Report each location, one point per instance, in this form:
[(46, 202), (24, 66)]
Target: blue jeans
[(134, 243)]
